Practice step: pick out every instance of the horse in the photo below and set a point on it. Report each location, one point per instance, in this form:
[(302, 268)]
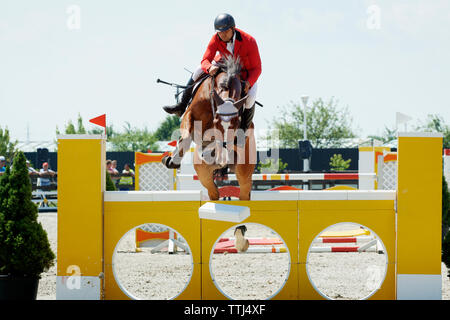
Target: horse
[(213, 121)]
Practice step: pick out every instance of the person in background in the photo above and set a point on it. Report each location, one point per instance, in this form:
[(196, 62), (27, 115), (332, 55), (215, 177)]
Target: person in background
[(109, 167), (31, 171), (45, 175), (114, 166), (126, 181), (113, 173), (2, 164)]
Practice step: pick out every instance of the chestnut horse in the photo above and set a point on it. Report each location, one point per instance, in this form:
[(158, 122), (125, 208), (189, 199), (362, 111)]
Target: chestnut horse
[(213, 121)]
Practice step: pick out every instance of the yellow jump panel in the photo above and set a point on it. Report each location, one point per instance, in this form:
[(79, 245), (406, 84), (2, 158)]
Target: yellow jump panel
[(80, 205), (317, 215), (280, 216), (419, 205), (182, 216)]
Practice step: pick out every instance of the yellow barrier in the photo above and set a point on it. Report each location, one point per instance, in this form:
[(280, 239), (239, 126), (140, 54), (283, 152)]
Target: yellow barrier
[(297, 216)]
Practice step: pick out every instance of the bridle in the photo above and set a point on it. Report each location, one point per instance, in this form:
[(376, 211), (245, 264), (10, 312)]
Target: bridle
[(216, 99)]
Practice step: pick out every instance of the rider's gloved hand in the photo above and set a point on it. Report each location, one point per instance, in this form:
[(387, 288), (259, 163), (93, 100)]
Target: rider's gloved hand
[(213, 70), (247, 86)]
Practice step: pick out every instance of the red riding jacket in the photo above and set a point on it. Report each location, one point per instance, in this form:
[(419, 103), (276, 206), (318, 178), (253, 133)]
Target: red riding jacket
[(244, 46)]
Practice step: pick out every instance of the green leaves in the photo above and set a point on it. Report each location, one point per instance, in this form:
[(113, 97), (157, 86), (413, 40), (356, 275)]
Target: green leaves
[(337, 163), (7, 147), (326, 124), (131, 138), (169, 125), (24, 246), (271, 166), (436, 123)]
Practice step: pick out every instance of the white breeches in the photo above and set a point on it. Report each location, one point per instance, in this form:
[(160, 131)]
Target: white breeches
[(251, 93)]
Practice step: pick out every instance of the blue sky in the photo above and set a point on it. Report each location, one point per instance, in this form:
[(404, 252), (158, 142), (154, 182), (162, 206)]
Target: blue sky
[(49, 72)]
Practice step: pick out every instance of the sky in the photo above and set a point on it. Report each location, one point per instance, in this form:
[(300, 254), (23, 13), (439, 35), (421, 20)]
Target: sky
[(62, 58)]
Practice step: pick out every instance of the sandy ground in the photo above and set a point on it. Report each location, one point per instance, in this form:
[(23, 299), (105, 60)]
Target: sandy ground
[(162, 276)]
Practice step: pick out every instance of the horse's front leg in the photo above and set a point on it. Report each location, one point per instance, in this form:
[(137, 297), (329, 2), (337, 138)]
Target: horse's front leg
[(174, 161), (184, 143), (245, 167), (244, 176), (205, 174)]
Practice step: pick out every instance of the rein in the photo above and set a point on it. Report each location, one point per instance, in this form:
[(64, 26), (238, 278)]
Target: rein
[(211, 96)]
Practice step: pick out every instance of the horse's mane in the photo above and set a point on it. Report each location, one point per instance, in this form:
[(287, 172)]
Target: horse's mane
[(232, 66)]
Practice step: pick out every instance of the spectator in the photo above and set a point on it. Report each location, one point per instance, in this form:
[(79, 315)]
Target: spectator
[(126, 181), (31, 171), (109, 167), (44, 175), (2, 164), (114, 167)]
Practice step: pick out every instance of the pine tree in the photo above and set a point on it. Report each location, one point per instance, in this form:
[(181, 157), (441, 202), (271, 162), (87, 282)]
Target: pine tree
[(24, 246)]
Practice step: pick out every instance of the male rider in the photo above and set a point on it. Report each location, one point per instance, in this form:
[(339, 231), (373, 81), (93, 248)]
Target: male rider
[(228, 40)]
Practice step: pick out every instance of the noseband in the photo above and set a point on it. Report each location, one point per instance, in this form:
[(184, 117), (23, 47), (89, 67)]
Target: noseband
[(228, 104)]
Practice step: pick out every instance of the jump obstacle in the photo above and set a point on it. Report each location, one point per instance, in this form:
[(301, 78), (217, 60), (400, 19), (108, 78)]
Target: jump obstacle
[(297, 216)]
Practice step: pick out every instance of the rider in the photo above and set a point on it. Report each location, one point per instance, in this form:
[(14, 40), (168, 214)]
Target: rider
[(227, 40)]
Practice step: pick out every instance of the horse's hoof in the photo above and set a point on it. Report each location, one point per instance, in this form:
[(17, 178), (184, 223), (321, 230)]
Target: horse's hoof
[(241, 243), (168, 162)]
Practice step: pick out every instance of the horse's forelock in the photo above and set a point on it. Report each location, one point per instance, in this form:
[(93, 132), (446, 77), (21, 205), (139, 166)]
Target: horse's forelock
[(231, 65)]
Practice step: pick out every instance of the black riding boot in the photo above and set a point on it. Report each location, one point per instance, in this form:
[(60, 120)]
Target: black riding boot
[(180, 107), (247, 117), (246, 121)]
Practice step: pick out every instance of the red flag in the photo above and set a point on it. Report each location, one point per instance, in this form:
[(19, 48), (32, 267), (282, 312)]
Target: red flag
[(173, 143), (100, 120)]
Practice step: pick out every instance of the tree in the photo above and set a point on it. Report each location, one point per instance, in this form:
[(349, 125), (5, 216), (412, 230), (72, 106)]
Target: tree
[(387, 136), (326, 124), (271, 166), (109, 131), (7, 147), (70, 128), (337, 163), (80, 129), (436, 123), (24, 246), (167, 127), (133, 139)]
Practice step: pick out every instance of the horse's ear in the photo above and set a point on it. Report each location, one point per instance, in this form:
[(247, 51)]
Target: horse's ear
[(217, 99), (238, 104)]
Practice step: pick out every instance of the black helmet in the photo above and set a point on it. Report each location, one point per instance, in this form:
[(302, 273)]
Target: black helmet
[(223, 22)]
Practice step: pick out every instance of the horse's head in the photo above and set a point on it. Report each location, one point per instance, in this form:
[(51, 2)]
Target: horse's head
[(227, 94)]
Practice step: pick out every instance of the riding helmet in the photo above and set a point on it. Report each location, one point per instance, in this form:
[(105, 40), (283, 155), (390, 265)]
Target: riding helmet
[(223, 22)]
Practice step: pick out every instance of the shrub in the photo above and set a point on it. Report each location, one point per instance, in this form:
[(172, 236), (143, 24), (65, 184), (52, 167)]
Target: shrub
[(339, 164), (24, 246)]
